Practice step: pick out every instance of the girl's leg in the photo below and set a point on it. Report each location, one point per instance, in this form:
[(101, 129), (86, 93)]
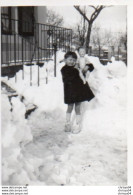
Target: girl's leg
[(70, 108), (68, 113), (78, 113), (77, 108), (77, 128), (68, 117)]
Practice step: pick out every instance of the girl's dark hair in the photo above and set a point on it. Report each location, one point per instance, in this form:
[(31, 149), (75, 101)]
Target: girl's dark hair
[(70, 53)]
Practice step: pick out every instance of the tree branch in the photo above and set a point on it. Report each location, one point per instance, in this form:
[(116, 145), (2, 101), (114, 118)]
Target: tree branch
[(93, 7), (96, 13), (81, 12)]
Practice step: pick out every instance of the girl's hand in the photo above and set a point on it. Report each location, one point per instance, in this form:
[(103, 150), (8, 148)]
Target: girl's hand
[(84, 81), (76, 66)]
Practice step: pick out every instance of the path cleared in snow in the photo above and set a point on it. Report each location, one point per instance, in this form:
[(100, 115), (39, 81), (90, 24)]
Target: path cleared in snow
[(68, 159)]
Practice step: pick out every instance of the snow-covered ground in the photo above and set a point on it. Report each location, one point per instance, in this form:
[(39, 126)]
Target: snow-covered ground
[(37, 151)]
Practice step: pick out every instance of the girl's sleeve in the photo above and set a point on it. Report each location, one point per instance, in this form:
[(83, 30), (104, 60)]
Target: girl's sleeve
[(89, 64), (91, 67)]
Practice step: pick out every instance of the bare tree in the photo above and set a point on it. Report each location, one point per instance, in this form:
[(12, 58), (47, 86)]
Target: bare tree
[(79, 32), (123, 40), (89, 20), (102, 37), (82, 28), (54, 18)]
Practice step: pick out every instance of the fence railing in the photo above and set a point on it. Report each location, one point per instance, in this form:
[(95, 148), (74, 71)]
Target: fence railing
[(22, 42)]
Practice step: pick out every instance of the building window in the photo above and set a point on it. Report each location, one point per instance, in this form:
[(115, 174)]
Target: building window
[(26, 21), (6, 27)]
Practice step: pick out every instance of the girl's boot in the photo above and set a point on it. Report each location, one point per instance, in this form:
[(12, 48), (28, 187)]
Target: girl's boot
[(77, 126)]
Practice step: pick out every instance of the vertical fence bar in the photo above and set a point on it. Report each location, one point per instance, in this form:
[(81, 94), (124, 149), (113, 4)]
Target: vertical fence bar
[(65, 39), (45, 43), (38, 42), (30, 75), (46, 76), (7, 36), (1, 49), (68, 43), (70, 39), (29, 55), (52, 40), (18, 50), (22, 53), (34, 46), (55, 62), (6, 43), (6, 49), (15, 52), (25, 44), (38, 76), (25, 50), (41, 42), (38, 57), (10, 46), (55, 50), (49, 43), (30, 65), (59, 39)]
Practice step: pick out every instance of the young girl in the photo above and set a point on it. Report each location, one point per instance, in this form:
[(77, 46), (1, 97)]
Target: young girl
[(75, 91)]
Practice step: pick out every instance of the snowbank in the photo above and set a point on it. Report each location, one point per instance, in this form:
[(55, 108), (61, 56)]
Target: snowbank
[(15, 134), (44, 161)]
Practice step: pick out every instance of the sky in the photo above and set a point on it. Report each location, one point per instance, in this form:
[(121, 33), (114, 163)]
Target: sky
[(112, 18)]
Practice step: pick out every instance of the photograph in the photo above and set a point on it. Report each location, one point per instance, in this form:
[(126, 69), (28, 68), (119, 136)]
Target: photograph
[(64, 95)]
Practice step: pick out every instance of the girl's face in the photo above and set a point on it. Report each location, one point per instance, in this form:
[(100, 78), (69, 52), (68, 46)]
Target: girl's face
[(82, 52), (70, 61)]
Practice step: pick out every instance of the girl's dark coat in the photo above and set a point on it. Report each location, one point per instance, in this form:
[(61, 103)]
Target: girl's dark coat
[(74, 88)]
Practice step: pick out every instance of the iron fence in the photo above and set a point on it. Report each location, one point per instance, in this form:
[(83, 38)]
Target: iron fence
[(23, 42)]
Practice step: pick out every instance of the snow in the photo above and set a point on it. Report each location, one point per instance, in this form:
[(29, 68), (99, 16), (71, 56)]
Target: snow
[(37, 151)]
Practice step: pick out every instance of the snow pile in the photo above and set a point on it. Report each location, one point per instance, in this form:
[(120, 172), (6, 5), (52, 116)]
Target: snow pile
[(107, 112), (109, 82), (96, 156), (15, 133), (117, 69)]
